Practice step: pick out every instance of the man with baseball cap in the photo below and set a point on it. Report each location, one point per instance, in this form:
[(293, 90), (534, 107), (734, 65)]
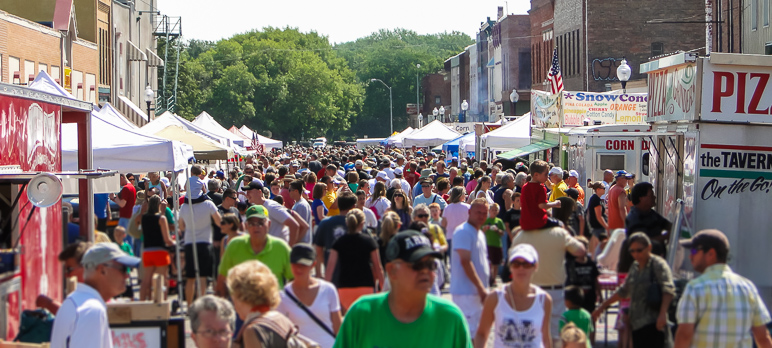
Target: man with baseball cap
[(256, 244), (82, 319), (559, 186), (719, 308), (617, 202), (573, 183), (281, 217), (405, 316)]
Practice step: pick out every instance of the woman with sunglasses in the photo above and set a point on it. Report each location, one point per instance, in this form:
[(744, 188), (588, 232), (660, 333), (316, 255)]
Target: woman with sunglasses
[(400, 204), (648, 320), (229, 225), (519, 310)]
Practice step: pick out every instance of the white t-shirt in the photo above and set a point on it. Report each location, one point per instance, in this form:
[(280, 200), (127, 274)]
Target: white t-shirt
[(304, 210), (381, 205), (404, 185), (326, 302), (83, 319), (370, 219), (277, 213), (455, 214), (199, 224)]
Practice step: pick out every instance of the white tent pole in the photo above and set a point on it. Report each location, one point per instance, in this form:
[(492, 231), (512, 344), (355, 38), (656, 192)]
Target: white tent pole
[(176, 197)]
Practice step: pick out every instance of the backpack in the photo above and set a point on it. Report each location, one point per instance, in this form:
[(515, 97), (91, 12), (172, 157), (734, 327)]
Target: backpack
[(279, 324)]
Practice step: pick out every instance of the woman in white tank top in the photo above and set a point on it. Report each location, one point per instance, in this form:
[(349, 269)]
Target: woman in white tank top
[(519, 312)]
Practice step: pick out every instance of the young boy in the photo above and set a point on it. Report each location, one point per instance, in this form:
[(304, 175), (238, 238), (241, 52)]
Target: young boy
[(583, 273), (494, 228), (534, 200), (197, 192), (573, 296), (119, 234)]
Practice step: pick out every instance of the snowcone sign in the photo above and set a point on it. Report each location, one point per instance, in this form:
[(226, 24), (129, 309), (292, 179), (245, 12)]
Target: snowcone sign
[(607, 108)]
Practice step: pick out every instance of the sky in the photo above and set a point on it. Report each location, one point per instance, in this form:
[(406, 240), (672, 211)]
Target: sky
[(339, 20)]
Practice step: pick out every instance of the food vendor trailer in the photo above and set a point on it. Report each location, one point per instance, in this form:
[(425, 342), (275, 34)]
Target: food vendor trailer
[(711, 152), (593, 149), (31, 237)]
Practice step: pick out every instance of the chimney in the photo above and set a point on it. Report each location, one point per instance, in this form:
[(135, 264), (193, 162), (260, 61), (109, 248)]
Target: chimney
[(500, 13)]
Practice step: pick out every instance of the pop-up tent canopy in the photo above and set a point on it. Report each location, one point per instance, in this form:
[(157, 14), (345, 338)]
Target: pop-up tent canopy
[(124, 150), (117, 144), (396, 140), (454, 145), (203, 148), (206, 121), (265, 141), (169, 119), (512, 135), (433, 134)]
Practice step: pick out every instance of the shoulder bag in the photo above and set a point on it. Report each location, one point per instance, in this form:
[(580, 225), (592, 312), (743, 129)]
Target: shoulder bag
[(309, 313), (654, 292)]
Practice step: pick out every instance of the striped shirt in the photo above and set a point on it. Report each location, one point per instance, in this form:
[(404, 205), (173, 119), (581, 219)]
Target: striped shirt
[(724, 307)]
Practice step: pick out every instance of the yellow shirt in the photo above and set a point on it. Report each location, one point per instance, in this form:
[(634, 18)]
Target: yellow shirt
[(558, 190), (328, 199)]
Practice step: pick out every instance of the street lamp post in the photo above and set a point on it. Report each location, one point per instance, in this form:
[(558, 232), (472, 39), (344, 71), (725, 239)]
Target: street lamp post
[(417, 90), (623, 74), (149, 96), (391, 106), (514, 97), (464, 107), (442, 113)]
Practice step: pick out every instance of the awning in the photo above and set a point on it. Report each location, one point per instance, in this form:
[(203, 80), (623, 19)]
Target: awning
[(153, 59), (132, 107), (134, 53), (528, 149)]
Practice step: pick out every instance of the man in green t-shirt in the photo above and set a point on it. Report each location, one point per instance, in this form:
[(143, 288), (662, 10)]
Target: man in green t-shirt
[(391, 319), (256, 245), (494, 228)]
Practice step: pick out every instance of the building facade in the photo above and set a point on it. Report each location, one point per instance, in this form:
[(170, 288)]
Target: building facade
[(436, 93), (756, 32), (512, 69)]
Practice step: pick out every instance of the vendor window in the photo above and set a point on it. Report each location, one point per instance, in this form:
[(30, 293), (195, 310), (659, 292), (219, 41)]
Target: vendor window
[(613, 162)]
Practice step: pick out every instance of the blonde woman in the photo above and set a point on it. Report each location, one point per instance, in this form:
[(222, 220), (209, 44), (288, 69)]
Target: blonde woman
[(390, 226), (255, 294)]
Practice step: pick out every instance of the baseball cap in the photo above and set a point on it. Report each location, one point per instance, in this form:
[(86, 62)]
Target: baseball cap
[(348, 167), (382, 175), (359, 163), (220, 174), (393, 165), (524, 251), (104, 252), (257, 211), (573, 174), (629, 176), (303, 254), (409, 246), (426, 180), (708, 239), (398, 171), (620, 173), (294, 164), (556, 170), (254, 185), (419, 153), (608, 171)]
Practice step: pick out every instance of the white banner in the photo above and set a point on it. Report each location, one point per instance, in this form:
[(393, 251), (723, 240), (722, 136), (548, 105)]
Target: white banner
[(607, 108)]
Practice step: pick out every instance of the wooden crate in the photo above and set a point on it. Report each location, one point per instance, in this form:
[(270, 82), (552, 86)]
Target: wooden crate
[(125, 313), (4, 344)]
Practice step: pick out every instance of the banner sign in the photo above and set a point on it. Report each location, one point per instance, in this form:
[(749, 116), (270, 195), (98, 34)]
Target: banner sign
[(545, 109), (673, 93), (732, 93), (607, 108)]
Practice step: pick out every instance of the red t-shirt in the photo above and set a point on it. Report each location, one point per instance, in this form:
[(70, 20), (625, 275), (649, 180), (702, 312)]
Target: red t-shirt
[(531, 216), (614, 219), (128, 194)]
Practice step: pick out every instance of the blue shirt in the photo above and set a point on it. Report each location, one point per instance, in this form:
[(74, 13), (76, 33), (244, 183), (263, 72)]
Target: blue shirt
[(467, 237), (100, 205), (434, 198)]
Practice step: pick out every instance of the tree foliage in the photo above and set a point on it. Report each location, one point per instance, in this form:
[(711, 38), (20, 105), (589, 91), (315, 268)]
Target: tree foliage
[(298, 86)]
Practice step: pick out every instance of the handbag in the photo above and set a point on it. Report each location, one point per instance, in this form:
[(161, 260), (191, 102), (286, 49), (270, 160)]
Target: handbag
[(310, 314), (654, 292), (134, 230)]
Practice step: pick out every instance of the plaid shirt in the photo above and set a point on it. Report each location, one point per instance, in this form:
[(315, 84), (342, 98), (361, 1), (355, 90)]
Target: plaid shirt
[(724, 307)]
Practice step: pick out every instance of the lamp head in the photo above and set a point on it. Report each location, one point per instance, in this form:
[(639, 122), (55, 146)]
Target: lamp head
[(464, 105), (149, 94), (514, 96), (623, 71)]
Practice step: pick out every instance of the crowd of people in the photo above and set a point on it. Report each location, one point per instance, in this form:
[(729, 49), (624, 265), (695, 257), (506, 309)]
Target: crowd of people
[(339, 247)]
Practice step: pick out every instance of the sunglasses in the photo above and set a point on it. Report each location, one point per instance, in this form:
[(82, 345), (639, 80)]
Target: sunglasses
[(422, 265), (421, 216), (122, 268), (694, 251), (256, 223), (636, 251), (223, 223), (426, 185), (521, 264)]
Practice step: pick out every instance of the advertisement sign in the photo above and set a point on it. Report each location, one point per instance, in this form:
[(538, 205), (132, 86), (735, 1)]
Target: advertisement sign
[(736, 93), (673, 93), (607, 108), (545, 109), (68, 79)]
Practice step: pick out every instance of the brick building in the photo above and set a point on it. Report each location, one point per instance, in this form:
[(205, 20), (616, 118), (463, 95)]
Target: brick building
[(436, 93), (510, 44), (592, 37), (458, 69), (28, 46)]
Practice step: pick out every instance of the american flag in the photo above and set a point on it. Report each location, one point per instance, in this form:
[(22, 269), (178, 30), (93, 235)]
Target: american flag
[(554, 76), (256, 145)]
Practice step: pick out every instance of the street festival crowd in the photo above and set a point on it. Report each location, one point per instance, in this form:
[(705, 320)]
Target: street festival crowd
[(339, 247)]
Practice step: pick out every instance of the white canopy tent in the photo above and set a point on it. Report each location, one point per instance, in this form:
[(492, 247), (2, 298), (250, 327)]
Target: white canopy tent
[(265, 141), (433, 134), (466, 143), (203, 148), (112, 115), (396, 140), (206, 121), (169, 119), (512, 135)]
